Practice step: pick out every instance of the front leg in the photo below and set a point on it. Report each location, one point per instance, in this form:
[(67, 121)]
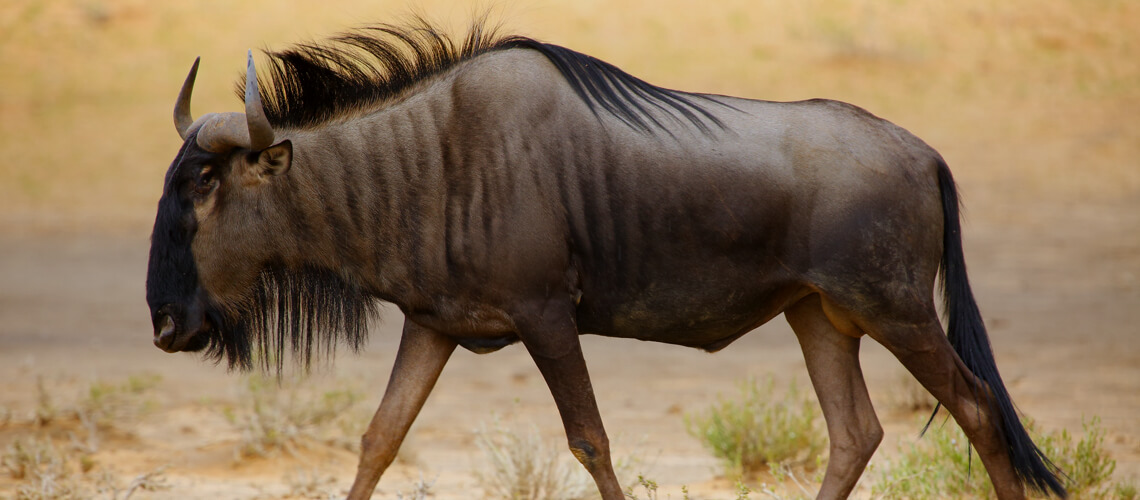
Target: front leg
[(551, 337), (419, 361)]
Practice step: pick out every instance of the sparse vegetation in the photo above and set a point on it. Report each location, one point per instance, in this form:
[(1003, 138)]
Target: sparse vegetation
[(42, 470), (276, 415), (62, 469), (48, 473), (106, 402), (758, 431), (1087, 465), (310, 484), (650, 488), (1125, 491), (942, 465), (521, 465), (148, 481), (420, 490), (45, 410), (784, 475)]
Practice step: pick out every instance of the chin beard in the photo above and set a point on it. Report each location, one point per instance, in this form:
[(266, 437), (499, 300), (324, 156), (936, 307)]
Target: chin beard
[(304, 312)]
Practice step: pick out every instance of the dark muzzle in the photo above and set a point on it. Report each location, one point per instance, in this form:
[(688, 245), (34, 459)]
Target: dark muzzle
[(174, 332)]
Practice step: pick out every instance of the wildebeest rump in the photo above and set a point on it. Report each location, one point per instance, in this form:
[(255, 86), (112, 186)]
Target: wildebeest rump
[(505, 190)]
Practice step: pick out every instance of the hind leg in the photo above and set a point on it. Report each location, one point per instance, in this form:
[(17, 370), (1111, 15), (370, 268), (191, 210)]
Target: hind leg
[(833, 364), (923, 349)]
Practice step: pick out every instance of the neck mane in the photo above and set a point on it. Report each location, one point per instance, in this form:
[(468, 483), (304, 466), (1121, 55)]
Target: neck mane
[(362, 70)]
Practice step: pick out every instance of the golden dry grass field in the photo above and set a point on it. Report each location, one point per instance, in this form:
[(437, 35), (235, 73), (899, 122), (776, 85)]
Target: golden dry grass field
[(1034, 104)]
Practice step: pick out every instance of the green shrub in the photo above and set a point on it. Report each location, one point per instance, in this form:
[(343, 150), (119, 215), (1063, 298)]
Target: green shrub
[(939, 466), (943, 466), (758, 430), (1125, 491), (1086, 464)]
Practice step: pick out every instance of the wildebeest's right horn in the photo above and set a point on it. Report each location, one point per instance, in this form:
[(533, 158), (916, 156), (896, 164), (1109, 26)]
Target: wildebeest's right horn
[(182, 118), (260, 132)]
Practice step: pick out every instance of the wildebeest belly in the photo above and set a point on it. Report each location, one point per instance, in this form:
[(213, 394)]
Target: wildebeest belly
[(699, 315)]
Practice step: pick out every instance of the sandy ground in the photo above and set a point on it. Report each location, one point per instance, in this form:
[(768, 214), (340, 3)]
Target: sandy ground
[(1032, 103)]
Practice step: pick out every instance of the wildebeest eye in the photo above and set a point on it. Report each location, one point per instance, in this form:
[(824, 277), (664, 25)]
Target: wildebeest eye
[(205, 181)]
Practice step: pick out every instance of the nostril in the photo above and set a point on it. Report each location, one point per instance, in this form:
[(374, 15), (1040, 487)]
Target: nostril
[(166, 326), (164, 334)]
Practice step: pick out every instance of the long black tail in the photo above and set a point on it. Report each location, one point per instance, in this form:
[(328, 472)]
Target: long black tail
[(967, 333)]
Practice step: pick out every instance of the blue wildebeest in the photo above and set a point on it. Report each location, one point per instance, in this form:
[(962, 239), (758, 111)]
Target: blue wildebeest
[(505, 190)]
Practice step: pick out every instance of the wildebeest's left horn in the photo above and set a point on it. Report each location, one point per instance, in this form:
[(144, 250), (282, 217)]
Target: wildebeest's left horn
[(260, 132), (182, 118)]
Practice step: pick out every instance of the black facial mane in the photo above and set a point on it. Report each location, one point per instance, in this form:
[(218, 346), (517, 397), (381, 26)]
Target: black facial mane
[(359, 70), (296, 312)]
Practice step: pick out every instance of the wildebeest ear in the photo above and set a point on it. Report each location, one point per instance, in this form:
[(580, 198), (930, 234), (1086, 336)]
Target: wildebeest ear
[(275, 159)]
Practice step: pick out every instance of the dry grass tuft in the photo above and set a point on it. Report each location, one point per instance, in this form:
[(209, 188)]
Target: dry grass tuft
[(310, 484), (42, 470), (55, 463), (106, 403), (279, 415), (420, 490), (521, 465), (649, 487), (45, 471), (153, 480)]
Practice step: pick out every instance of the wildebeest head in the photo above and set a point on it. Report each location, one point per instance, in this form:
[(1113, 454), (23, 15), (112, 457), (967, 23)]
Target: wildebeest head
[(206, 259)]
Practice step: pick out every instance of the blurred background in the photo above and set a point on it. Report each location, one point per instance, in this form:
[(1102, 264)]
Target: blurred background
[(1036, 99), (1033, 103)]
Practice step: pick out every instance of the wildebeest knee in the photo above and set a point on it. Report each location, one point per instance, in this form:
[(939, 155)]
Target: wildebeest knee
[(368, 442), (372, 445), (860, 442), (585, 452)]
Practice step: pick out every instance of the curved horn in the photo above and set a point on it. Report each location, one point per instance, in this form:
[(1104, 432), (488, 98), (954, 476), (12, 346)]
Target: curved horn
[(260, 132), (182, 118)]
